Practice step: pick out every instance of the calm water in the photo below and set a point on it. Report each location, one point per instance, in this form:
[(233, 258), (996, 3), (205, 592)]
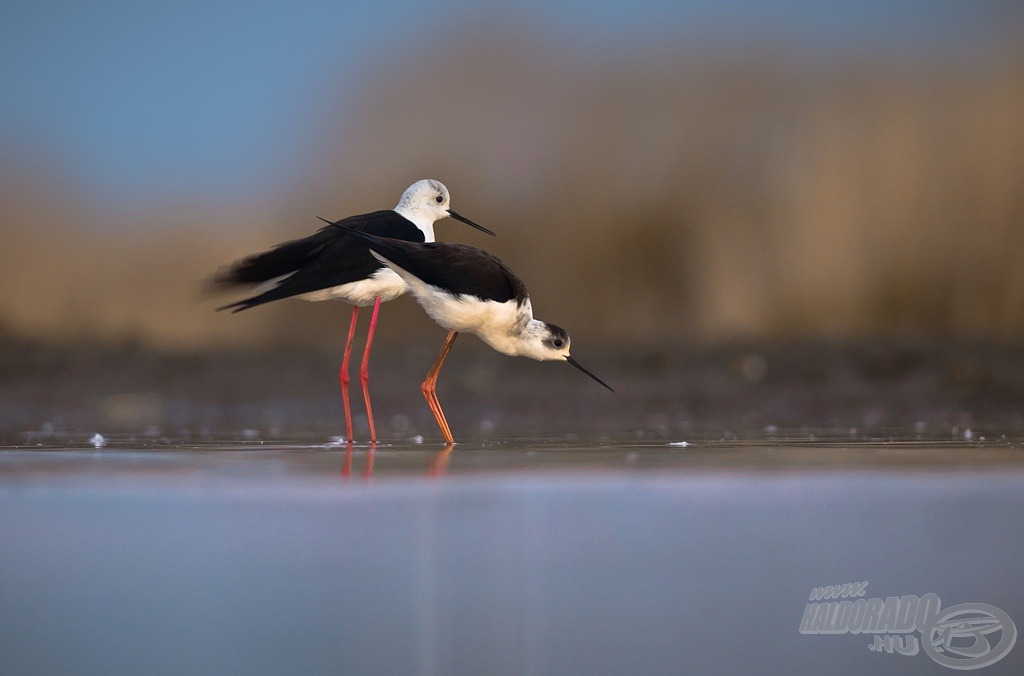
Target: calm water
[(251, 458), (553, 555)]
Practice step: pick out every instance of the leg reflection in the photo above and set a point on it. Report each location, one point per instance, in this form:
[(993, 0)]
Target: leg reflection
[(439, 463)]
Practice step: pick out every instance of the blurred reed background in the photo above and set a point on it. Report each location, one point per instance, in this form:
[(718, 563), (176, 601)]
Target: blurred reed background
[(685, 193)]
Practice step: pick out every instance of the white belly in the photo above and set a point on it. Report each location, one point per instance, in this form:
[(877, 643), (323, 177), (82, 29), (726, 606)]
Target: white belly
[(383, 283), (497, 324)]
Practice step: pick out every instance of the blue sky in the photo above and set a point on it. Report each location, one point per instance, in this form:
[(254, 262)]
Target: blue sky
[(216, 98)]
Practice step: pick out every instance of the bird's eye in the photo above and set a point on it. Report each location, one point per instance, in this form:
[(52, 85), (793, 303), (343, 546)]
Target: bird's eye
[(558, 343), (439, 199)]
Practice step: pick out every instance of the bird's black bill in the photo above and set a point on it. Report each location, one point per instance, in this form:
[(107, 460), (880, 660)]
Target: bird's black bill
[(577, 365), (460, 217)]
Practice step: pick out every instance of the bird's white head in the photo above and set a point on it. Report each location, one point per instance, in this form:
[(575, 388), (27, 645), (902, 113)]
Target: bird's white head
[(427, 201), (424, 202), (543, 341), (547, 342)]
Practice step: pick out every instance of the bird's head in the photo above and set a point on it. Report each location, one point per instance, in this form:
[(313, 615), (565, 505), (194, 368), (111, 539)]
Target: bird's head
[(427, 201), (547, 342)]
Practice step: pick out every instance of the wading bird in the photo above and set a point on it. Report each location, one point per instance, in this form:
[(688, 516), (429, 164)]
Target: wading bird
[(465, 289), (328, 265)]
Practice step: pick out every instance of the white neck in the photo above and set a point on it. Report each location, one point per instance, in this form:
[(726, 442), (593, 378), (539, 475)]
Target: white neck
[(529, 340), (424, 223), (523, 340)]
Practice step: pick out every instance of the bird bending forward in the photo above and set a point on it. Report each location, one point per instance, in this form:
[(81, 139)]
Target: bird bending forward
[(467, 290)]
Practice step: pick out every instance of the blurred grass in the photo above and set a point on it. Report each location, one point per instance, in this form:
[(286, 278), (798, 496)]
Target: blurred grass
[(644, 200)]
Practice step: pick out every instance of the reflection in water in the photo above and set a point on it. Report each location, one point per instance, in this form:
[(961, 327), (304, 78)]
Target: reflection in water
[(439, 463), (346, 462), (437, 466), (232, 461)]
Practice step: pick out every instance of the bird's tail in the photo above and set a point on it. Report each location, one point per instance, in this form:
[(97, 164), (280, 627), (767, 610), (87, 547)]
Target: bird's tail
[(274, 263)]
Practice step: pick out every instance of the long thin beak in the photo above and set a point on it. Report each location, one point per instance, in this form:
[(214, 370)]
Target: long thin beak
[(460, 217), (577, 365)]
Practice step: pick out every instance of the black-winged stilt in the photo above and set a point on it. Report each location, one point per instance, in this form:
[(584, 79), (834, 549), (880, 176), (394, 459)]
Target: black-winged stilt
[(467, 290), (328, 265)]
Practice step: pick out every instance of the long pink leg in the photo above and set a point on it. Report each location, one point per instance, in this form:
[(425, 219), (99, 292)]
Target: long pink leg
[(429, 387), (364, 370), (343, 374)]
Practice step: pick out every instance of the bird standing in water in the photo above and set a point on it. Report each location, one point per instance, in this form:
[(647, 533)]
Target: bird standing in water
[(329, 265), (465, 289)]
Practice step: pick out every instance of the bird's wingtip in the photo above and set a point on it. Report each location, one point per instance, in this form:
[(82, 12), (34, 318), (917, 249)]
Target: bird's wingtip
[(237, 306)]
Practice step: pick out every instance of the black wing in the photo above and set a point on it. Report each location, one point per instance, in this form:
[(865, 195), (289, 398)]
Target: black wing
[(324, 259), (457, 268)]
